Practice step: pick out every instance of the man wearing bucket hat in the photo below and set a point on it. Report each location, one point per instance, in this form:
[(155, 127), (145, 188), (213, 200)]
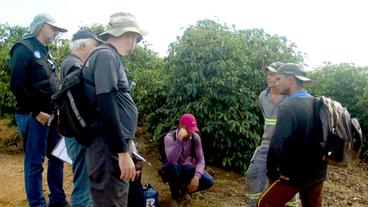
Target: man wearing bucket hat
[(184, 165), (84, 41), (295, 158), (33, 82), (109, 163)]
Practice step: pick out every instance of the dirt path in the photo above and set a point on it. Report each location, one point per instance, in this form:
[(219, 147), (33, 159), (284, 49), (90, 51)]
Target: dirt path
[(348, 187), (345, 187)]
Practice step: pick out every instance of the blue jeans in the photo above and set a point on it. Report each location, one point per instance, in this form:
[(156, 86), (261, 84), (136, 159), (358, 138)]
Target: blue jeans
[(39, 140), (81, 195), (179, 178)]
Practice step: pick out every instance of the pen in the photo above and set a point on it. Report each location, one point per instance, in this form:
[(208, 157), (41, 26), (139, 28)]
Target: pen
[(141, 158)]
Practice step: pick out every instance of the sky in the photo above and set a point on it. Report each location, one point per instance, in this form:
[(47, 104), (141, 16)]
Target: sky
[(326, 30)]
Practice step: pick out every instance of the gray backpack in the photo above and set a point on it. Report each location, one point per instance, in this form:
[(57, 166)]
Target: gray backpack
[(342, 135)]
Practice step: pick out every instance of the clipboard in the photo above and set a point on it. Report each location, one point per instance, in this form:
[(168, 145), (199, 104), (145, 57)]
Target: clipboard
[(60, 151)]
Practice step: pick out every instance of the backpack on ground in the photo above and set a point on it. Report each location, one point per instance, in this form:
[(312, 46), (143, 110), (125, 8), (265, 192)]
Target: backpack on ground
[(342, 135), (139, 195), (150, 196), (69, 115), (136, 190)]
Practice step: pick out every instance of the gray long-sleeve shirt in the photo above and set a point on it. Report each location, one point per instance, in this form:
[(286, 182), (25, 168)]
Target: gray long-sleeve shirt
[(269, 110)]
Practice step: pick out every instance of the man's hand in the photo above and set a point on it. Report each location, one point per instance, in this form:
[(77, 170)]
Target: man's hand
[(182, 134), (127, 168), (43, 118), (193, 185)]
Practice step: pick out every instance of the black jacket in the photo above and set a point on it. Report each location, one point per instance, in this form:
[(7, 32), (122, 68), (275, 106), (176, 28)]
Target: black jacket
[(32, 83), (295, 150)]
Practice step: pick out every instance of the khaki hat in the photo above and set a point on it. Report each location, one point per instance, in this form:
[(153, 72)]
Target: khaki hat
[(38, 21), (273, 67), (120, 23), (294, 70)]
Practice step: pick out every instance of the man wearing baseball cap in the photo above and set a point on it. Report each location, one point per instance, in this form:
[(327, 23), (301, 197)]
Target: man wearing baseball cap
[(295, 158), (83, 42), (33, 75), (106, 88), (184, 165), (269, 101)]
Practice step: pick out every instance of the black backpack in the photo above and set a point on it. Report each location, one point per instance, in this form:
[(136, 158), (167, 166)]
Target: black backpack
[(342, 135), (69, 115), (161, 144)]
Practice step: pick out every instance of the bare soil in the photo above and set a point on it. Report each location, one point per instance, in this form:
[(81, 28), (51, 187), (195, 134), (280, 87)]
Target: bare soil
[(345, 187)]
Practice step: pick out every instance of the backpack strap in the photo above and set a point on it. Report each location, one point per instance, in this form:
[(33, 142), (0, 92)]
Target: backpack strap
[(93, 52), (28, 45)]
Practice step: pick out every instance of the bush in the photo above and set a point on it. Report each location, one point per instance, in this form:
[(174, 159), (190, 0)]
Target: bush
[(214, 72), (146, 69)]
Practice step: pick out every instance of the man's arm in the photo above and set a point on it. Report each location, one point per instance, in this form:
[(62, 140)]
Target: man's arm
[(105, 75), (283, 131), (173, 148), (19, 62), (110, 120), (198, 155)]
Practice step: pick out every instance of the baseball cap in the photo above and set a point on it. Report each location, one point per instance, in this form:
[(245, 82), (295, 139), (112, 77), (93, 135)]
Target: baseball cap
[(85, 33), (190, 122), (38, 21), (295, 70), (273, 67)]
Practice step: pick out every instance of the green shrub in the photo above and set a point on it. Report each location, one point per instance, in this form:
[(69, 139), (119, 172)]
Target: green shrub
[(215, 73)]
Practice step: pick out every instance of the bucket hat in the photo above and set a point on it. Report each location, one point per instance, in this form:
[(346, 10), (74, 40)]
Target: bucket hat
[(120, 23)]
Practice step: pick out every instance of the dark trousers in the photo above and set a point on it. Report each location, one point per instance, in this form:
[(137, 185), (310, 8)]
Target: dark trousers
[(179, 178), (104, 173), (280, 192)]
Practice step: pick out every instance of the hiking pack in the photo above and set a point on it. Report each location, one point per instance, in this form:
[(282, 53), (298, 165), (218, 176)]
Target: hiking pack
[(342, 135), (70, 117)]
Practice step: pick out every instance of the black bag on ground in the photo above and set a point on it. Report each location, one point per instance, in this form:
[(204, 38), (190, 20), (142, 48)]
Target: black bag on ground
[(342, 135), (136, 191)]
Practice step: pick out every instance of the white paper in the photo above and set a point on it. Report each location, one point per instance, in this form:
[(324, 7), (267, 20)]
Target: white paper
[(60, 151)]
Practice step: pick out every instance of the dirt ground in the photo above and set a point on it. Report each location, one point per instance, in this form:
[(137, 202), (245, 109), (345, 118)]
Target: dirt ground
[(345, 187)]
